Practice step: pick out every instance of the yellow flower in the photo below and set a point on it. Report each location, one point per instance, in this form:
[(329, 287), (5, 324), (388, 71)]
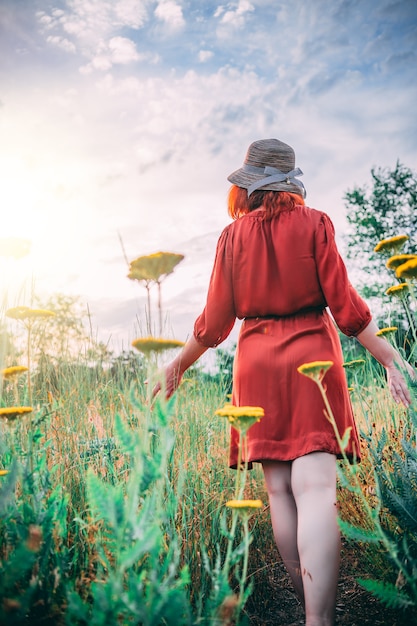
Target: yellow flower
[(4, 472), (392, 243), (399, 291), (245, 508), (12, 412), (354, 365), (155, 344), (14, 370), (408, 269), (154, 266), (389, 330), (315, 370), (18, 312), (241, 417), (398, 259), (245, 504), (26, 313)]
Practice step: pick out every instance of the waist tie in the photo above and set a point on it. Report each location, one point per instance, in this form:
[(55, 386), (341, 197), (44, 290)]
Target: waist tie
[(311, 309)]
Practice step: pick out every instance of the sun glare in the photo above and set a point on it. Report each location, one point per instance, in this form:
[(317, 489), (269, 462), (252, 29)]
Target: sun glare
[(31, 228)]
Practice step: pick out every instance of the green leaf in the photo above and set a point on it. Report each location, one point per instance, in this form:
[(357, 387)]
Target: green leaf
[(164, 410), (387, 593), (357, 534), (346, 437), (77, 611), (125, 435), (37, 436), (7, 490), (224, 528), (239, 552), (19, 564), (148, 540), (102, 498), (344, 480), (171, 405)]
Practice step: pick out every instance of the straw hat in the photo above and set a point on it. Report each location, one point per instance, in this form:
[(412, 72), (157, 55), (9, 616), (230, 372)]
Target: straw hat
[(269, 164)]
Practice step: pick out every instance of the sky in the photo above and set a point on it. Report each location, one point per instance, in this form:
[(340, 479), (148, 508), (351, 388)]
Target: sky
[(121, 119)]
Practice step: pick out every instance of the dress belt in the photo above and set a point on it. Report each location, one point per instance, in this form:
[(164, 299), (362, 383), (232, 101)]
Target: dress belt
[(311, 309)]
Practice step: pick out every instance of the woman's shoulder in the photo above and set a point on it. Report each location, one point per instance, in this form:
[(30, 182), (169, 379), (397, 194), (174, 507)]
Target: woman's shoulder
[(311, 212), (244, 221), (300, 212), (315, 216)]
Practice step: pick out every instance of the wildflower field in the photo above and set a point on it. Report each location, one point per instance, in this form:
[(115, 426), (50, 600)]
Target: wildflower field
[(118, 508)]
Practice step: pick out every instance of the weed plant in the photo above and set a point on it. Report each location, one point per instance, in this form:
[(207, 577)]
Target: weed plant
[(378, 498)]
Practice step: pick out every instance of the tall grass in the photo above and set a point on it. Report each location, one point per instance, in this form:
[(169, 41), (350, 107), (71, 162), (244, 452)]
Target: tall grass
[(112, 506), (57, 545), (127, 503)]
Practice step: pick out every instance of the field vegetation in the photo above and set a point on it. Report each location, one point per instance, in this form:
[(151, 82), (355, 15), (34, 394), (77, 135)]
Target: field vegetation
[(116, 508)]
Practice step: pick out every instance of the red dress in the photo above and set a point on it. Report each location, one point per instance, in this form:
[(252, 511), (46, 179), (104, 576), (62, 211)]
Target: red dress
[(279, 275)]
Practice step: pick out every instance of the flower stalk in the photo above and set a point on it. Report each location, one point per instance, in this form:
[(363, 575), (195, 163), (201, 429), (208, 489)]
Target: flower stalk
[(372, 513), (151, 270), (242, 419)]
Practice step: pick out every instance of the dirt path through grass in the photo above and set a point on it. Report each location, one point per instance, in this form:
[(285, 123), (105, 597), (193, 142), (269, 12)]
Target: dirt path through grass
[(273, 601)]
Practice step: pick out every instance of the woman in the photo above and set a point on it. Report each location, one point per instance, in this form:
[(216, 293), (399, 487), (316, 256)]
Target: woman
[(277, 267)]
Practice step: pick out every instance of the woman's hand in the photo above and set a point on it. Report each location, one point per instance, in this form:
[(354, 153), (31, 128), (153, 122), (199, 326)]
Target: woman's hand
[(173, 372), (171, 376), (384, 352), (397, 383)]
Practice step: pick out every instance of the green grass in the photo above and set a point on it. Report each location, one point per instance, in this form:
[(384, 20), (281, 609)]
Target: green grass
[(113, 512)]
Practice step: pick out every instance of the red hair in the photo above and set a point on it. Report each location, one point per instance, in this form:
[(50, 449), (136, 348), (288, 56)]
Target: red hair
[(272, 201)]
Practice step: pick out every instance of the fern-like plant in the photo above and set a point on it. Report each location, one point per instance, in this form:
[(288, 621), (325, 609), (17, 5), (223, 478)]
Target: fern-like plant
[(394, 517)]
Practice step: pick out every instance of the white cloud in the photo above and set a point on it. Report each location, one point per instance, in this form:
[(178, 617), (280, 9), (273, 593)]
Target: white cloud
[(100, 62), (58, 13), (132, 13), (45, 20), (118, 51), (76, 27), (235, 14), (170, 13), (61, 42), (219, 11), (123, 50), (91, 28), (205, 55), (149, 148)]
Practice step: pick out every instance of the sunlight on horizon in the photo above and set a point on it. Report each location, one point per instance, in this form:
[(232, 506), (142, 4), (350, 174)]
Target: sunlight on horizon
[(44, 219)]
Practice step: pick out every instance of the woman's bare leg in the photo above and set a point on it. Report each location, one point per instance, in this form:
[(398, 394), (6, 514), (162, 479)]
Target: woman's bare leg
[(313, 482), (284, 518)]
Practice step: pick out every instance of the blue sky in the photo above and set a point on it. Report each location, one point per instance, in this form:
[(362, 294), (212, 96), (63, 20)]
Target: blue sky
[(122, 119)]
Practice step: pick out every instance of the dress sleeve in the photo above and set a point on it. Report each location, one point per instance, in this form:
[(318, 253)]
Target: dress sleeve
[(350, 311), (218, 317)]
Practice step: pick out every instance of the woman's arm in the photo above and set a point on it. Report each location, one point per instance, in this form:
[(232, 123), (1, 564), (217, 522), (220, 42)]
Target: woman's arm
[(215, 322), (389, 358)]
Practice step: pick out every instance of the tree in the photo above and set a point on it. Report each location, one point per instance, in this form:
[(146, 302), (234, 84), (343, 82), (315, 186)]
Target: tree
[(224, 363), (65, 333), (128, 367), (388, 209)]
